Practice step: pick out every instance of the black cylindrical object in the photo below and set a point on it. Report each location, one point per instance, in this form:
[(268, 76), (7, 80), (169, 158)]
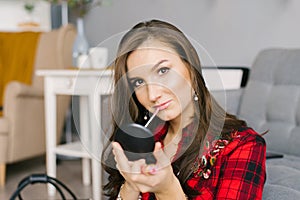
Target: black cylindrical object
[(137, 142)]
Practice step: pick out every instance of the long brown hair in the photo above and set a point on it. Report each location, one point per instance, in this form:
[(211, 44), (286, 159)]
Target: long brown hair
[(209, 116)]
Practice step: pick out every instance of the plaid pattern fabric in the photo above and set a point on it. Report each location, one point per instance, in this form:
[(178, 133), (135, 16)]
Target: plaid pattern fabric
[(238, 172)]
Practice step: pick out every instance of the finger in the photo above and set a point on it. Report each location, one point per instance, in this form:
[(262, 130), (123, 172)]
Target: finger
[(137, 166), (120, 157), (116, 145), (157, 146), (130, 163), (149, 169), (161, 157)]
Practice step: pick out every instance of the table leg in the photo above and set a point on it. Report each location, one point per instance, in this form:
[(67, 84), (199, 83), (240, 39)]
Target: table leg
[(50, 123), (96, 179), (84, 136), (95, 110)]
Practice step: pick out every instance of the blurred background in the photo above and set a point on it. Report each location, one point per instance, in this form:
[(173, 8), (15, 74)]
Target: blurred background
[(232, 31), (228, 33)]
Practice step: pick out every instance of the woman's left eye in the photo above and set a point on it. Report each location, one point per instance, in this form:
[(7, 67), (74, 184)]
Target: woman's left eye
[(163, 70)]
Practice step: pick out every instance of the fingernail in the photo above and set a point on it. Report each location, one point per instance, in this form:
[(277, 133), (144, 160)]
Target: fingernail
[(152, 169)]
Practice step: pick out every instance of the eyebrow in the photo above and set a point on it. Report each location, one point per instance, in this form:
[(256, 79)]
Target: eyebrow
[(157, 64)]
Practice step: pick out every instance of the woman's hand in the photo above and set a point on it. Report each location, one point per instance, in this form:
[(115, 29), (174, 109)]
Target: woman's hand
[(140, 177)]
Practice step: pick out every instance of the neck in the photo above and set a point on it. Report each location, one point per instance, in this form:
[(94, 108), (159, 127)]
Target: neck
[(181, 121), (174, 134)]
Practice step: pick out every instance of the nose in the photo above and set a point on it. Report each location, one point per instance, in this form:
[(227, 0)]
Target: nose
[(154, 92)]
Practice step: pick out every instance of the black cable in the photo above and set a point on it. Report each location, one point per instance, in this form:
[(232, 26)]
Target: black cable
[(65, 187), (21, 186), (41, 178), (58, 189)]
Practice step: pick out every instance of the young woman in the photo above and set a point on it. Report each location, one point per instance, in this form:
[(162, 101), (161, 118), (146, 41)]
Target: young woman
[(201, 151)]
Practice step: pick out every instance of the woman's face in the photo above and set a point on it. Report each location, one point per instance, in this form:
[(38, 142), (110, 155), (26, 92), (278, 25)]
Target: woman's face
[(161, 81)]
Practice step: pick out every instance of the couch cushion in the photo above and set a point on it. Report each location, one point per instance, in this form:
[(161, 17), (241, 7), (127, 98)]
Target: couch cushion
[(3, 126), (271, 100), (3, 139), (274, 192), (287, 160), (285, 176)]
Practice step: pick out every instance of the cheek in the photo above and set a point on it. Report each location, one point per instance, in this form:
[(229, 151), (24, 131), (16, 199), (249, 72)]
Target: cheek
[(182, 91), (178, 82)]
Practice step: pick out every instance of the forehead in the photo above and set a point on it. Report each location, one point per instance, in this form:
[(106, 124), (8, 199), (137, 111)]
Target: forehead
[(151, 55), (144, 61)]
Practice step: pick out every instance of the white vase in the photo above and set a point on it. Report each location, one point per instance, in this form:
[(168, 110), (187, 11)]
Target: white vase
[(81, 46)]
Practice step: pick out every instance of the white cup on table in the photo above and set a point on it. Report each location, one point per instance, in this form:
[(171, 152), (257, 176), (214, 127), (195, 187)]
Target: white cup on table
[(98, 57)]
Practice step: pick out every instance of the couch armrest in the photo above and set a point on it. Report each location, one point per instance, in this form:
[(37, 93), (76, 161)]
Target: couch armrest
[(14, 90), (17, 89), (229, 99)]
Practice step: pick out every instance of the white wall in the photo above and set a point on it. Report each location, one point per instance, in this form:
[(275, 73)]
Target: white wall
[(232, 31), (12, 13)]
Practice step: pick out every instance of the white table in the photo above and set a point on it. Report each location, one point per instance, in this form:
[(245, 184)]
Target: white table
[(89, 85)]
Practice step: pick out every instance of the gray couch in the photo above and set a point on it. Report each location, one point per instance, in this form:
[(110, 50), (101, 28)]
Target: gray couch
[(271, 101)]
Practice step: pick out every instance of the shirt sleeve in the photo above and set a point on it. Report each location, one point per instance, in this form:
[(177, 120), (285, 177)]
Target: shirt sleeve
[(243, 174)]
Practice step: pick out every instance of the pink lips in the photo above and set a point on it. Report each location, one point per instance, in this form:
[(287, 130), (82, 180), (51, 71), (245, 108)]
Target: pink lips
[(163, 105)]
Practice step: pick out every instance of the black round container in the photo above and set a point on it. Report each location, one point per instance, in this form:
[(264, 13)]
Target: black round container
[(137, 142)]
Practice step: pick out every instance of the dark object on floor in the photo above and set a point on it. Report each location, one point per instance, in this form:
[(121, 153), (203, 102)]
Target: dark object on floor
[(270, 155), (42, 178)]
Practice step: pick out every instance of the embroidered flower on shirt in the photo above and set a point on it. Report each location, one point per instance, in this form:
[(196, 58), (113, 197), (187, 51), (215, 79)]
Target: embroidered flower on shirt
[(203, 165)]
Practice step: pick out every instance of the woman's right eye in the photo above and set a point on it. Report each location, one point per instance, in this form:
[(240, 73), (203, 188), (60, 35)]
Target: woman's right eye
[(137, 83)]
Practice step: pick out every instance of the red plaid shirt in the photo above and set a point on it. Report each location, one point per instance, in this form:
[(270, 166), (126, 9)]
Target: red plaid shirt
[(237, 172)]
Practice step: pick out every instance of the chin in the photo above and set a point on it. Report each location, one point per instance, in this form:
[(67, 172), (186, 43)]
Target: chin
[(167, 115)]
